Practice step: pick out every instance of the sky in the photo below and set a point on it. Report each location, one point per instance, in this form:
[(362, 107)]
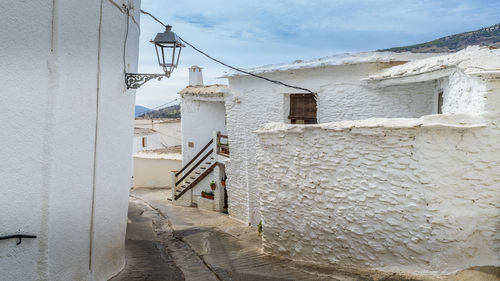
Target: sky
[(254, 33)]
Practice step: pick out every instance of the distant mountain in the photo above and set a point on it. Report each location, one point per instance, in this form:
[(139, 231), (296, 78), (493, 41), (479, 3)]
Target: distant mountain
[(173, 111), (140, 110), (488, 36)]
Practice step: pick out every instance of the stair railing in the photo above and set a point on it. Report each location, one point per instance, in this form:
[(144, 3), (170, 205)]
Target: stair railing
[(194, 158), (194, 167)]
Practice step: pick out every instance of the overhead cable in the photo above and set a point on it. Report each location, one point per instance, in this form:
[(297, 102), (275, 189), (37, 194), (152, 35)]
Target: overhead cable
[(227, 65)]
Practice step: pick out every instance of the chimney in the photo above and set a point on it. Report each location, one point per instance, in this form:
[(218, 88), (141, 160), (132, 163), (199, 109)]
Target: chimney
[(195, 76)]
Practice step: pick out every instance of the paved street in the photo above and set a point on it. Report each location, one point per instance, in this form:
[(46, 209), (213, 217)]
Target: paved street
[(167, 242), (146, 257), (152, 253)]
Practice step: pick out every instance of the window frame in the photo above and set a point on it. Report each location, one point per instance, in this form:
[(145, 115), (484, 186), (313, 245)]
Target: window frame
[(306, 118)]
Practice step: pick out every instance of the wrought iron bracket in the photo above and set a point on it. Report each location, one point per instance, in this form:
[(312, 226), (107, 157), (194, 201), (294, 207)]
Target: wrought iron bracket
[(18, 236), (135, 80)]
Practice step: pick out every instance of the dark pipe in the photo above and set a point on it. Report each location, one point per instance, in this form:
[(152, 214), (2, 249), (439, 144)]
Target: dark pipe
[(18, 236)]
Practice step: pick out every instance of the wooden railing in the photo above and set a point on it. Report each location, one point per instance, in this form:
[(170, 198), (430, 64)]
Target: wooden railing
[(195, 166), (200, 166), (222, 145), (196, 181), (194, 158), (183, 179)]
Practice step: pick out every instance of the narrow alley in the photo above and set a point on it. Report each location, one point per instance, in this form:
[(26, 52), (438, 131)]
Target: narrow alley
[(167, 242)]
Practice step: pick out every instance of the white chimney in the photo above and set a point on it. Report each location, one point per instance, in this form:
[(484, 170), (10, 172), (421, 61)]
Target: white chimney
[(195, 76)]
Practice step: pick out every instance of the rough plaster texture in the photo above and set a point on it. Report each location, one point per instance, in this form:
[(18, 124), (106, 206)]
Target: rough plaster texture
[(341, 96), (463, 94), (419, 195), (339, 59), (47, 168)]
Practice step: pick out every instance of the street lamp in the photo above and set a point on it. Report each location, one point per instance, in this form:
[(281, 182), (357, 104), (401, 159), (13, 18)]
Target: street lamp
[(166, 43)]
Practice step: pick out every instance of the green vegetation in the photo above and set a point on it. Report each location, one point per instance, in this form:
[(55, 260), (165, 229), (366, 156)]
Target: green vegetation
[(488, 36), (173, 111)]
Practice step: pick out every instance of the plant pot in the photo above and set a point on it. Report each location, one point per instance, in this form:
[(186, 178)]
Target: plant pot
[(204, 195), (213, 186)]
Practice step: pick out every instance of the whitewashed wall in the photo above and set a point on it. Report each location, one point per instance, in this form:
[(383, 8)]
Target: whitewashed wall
[(200, 118), (463, 94), (170, 133), (56, 60), (154, 169), (417, 195), (153, 141), (169, 130), (342, 96)]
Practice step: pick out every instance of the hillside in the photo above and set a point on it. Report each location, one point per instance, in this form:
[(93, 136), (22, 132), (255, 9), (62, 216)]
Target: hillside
[(173, 111), (140, 110), (488, 36)]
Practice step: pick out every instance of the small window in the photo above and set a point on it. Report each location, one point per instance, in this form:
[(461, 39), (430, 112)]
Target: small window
[(144, 141), (303, 109), (190, 144), (440, 102)]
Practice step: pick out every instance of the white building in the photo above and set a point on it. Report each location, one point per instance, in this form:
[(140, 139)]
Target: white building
[(65, 167), (340, 93), (169, 130), (203, 115), (147, 139), (401, 173)]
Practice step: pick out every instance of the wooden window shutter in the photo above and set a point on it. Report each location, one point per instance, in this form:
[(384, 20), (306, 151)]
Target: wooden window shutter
[(303, 109)]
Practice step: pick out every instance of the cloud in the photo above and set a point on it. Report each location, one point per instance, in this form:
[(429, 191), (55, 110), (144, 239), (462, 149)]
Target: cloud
[(199, 20)]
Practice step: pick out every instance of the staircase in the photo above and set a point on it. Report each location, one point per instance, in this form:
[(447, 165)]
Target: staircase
[(196, 170)]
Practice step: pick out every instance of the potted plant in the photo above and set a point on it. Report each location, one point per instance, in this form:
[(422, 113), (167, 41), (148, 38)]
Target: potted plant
[(207, 194), (213, 186)]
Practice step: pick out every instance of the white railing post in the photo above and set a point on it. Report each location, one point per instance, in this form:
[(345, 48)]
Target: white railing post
[(215, 136)]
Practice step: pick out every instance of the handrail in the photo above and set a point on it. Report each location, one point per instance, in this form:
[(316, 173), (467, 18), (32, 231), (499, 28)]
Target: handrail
[(18, 236), (196, 156), (202, 176), (195, 166)]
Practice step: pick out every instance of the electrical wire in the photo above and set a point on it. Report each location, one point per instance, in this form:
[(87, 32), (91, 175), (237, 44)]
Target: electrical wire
[(227, 65), (127, 10), (146, 13), (155, 108)]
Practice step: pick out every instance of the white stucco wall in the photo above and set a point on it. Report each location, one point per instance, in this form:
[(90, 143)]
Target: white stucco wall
[(153, 141), (463, 94), (418, 195), (170, 133), (200, 118), (154, 170), (341, 96), (56, 60), (169, 130)]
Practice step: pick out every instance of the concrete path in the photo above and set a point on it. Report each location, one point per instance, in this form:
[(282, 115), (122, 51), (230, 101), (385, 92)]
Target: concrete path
[(146, 258), (152, 253)]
